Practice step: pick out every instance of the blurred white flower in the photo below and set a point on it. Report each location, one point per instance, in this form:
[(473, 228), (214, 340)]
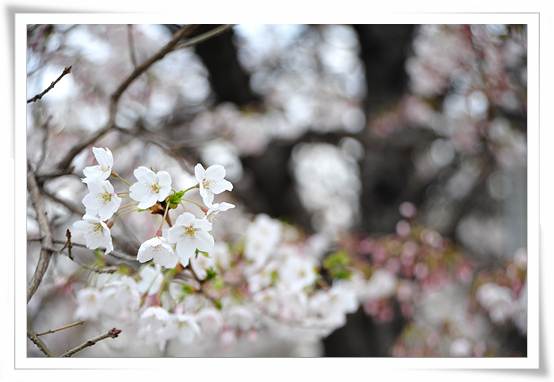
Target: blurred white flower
[(89, 304), (151, 278), (238, 316), (213, 212), (461, 347), (296, 273), (121, 298), (211, 182), (262, 237), (101, 171), (97, 233), (382, 284), (152, 326), (184, 327), (190, 233), (101, 199), (497, 300), (151, 187), (210, 319), (267, 299), (200, 265), (159, 250)]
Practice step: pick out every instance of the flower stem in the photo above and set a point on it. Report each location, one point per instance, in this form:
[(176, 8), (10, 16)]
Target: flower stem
[(190, 201), (115, 175), (125, 213), (190, 188), (128, 205)]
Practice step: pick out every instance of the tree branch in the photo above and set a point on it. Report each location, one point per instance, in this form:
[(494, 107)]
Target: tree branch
[(205, 36), (39, 96), (44, 228), (62, 328), (114, 99), (112, 333), (37, 341)]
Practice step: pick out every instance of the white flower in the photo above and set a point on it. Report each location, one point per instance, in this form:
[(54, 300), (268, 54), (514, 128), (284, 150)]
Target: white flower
[(120, 298), (296, 273), (151, 278), (103, 170), (211, 182), (262, 236), (210, 319), (382, 284), (213, 212), (190, 233), (200, 265), (184, 327), (97, 233), (101, 200), (461, 347), (89, 304), (154, 323), (151, 187), (158, 249)]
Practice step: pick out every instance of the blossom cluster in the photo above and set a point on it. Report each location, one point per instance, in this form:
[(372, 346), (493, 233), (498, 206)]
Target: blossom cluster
[(152, 191), (190, 285)]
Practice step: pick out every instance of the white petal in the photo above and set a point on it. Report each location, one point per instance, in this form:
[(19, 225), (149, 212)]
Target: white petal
[(103, 156), (204, 225), (222, 185), (215, 172), (186, 249), (185, 219), (164, 179), (144, 174), (148, 201), (175, 233), (199, 172), (204, 241)]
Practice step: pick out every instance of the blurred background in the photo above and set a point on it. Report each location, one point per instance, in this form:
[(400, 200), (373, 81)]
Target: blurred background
[(331, 128)]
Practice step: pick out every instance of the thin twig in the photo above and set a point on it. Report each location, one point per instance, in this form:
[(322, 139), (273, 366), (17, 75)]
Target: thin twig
[(114, 99), (37, 341), (44, 229), (44, 142), (62, 328), (131, 45), (112, 333), (39, 96), (69, 245), (69, 205), (205, 36)]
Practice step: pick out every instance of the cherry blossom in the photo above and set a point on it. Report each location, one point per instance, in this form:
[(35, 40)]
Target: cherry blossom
[(151, 187), (211, 182), (97, 233), (158, 249), (184, 327), (101, 171), (213, 212), (101, 199), (190, 234)]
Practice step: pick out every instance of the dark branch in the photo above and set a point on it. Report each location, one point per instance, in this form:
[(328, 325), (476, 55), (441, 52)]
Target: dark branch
[(112, 333), (39, 96)]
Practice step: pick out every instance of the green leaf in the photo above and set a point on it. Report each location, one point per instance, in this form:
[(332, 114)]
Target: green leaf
[(210, 274)]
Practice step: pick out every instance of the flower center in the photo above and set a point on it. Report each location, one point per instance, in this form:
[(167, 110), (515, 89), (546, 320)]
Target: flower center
[(98, 228), (208, 183), (104, 168), (213, 217), (154, 188), (105, 197), (157, 248), (190, 232)]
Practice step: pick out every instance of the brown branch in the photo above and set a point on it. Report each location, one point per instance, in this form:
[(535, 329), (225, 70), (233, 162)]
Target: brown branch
[(37, 341), (62, 328), (69, 205), (39, 96), (205, 36), (131, 45), (114, 99), (45, 234), (112, 333)]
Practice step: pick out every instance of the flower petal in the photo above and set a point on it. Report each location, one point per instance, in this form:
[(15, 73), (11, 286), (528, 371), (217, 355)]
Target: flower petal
[(215, 172), (185, 249), (199, 172), (204, 241)]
